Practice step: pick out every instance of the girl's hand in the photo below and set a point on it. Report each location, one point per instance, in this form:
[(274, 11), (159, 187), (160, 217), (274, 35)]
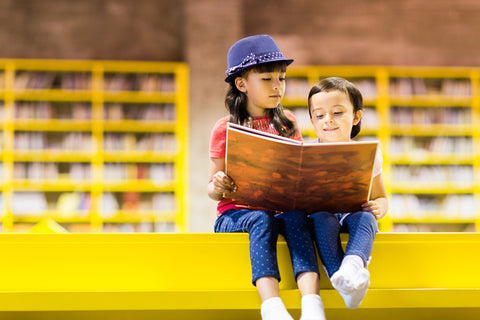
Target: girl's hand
[(223, 184), (373, 207)]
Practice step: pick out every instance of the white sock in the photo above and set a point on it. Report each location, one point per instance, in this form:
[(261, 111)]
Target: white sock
[(354, 298), (312, 307), (274, 309), (352, 281), (344, 278)]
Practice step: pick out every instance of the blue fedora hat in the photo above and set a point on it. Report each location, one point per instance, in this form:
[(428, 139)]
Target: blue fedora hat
[(251, 51)]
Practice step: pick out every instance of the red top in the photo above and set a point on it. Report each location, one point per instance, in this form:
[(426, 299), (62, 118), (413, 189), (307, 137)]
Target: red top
[(218, 141)]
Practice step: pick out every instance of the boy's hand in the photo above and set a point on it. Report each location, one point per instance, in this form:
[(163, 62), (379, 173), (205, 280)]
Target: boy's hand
[(223, 184)]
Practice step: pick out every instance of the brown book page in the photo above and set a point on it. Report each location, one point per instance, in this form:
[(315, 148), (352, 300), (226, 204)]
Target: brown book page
[(264, 168), (335, 177), (281, 174)]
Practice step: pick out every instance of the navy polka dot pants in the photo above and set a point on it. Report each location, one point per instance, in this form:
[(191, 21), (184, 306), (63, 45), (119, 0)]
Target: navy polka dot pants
[(361, 227), (263, 228)]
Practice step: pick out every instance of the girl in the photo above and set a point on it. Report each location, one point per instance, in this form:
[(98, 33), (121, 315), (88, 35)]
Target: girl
[(335, 107), (256, 78)]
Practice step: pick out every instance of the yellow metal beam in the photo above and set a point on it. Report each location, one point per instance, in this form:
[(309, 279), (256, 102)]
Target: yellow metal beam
[(207, 276)]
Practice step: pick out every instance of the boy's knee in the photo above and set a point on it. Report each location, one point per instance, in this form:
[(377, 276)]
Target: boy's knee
[(367, 220), (294, 217), (370, 218), (321, 216)]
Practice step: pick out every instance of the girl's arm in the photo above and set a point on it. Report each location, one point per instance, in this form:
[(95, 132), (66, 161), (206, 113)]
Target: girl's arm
[(378, 203), (219, 184)]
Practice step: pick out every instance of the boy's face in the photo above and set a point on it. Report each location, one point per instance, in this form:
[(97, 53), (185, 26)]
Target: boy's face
[(264, 90), (333, 116)]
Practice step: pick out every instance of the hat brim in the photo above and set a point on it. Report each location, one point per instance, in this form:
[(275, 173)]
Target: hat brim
[(232, 76)]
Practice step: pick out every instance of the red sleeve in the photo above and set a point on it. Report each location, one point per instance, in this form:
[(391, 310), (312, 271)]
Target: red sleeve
[(218, 138)]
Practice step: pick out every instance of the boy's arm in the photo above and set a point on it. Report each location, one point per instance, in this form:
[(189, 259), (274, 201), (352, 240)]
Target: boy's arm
[(219, 184), (378, 203)]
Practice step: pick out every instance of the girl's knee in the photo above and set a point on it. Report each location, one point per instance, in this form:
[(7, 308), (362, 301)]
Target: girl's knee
[(264, 219)]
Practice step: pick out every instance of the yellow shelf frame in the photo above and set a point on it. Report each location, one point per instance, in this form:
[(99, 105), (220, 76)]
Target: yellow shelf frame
[(97, 96)]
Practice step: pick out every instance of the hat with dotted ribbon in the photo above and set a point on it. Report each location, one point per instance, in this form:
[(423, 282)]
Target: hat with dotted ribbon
[(251, 51)]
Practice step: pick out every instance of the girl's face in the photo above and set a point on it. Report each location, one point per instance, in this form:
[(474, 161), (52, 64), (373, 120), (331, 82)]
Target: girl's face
[(333, 116), (264, 90)]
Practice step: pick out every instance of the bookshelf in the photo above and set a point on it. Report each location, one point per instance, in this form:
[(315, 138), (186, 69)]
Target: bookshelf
[(97, 146), (427, 121)]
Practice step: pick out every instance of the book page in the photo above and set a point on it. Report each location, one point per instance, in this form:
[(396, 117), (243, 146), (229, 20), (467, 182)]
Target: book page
[(263, 168), (281, 175), (335, 177)]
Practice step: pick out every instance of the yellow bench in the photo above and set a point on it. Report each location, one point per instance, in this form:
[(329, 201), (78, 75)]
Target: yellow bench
[(207, 276)]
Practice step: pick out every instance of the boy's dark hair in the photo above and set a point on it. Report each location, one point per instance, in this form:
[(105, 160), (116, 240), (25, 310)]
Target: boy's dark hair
[(342, 85), (236, 103)]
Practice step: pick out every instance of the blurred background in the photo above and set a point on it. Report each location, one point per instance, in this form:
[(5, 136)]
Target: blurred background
[(410, 33)]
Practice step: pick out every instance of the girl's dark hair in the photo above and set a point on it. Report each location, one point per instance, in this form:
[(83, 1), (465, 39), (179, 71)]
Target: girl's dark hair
[(236, 103), (342, 85)]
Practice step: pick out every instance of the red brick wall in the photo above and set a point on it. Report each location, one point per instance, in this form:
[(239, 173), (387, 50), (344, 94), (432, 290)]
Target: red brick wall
[(91, 29), (382, 32), (408, 32)]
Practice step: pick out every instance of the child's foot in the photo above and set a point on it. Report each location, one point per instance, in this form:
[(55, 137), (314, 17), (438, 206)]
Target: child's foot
[(274, 309), (351, 281), (312, 307), (353, 298), (344, 279)]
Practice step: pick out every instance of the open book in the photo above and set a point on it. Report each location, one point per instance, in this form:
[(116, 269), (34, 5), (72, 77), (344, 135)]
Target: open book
[(282, 174)]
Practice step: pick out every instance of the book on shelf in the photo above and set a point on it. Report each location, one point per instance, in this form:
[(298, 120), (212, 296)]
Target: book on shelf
[(282, 174)]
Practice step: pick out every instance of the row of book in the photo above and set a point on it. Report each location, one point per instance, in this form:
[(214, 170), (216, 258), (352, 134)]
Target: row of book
[(139, 142), (78, 204), (81, 141), (160, 227), (452, 206), (52, 110), (53, 80), (78, 141), (83, 111), (83, 81), (426, 116), (52, 171), (404, 86), (432, 227), (429, 86), (141, 112), (139, 82), (422, 145), (158, 172), (432, 174)]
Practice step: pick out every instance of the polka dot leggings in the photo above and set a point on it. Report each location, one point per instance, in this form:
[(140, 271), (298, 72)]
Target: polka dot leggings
[(361, 227), (263, 228)]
